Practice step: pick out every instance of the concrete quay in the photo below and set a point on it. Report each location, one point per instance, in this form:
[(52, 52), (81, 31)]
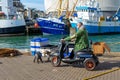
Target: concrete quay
[(23, 68)]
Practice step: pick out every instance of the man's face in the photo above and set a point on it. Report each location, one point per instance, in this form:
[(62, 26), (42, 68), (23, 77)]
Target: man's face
[(79, 25)]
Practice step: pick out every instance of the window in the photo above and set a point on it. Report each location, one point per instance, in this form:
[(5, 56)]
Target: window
[(0, 8), (92, 10)]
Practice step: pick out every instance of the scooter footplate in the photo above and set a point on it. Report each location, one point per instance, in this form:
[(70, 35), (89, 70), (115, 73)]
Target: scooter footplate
[(70, 60)]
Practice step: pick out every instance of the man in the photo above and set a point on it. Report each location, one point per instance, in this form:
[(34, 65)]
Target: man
[(81, 37)]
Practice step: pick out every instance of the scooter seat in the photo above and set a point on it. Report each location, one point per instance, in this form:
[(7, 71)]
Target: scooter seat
[(84, 53), (85, 50)]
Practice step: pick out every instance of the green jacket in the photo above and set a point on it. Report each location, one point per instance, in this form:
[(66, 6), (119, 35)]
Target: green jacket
[(81, 39)]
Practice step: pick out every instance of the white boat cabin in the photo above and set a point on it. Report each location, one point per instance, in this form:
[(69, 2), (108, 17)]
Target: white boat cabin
[(8, 11)]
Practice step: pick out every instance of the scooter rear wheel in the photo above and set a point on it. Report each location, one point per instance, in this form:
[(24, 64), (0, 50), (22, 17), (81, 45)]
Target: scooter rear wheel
[(55, 61), (90, 64)]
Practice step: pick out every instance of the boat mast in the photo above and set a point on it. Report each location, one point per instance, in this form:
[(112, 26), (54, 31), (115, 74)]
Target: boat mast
[(67, 9), (73, 8), (59, 9)]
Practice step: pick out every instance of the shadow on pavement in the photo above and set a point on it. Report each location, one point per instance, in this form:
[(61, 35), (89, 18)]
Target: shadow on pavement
[(0, 62), (76, 65), (108, 65)]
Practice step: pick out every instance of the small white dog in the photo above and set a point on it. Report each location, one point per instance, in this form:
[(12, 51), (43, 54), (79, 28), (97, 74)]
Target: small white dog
[(38, 57)]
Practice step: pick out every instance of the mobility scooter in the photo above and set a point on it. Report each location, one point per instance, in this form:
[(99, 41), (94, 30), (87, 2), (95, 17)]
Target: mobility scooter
[(86, 56)]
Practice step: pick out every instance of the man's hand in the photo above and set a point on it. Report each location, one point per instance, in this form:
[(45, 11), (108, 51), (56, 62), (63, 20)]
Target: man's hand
[(72, 40), (62, 40)]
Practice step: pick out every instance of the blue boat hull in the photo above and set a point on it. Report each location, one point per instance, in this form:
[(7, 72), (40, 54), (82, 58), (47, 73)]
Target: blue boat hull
[(51, 27), (53, 30), (94, 30), (102, 29)]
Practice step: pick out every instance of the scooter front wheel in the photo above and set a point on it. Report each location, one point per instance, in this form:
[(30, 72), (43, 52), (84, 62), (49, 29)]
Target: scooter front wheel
[(90, 64), (55, 61)]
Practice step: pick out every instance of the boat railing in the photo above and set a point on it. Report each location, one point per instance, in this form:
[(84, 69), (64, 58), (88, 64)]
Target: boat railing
[(11, 17)]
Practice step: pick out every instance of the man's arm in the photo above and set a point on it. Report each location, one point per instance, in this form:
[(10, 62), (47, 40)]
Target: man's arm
[(70, 37), (79, 33)]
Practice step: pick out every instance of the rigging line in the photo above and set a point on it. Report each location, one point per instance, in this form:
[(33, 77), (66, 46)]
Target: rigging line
[(73, 7)]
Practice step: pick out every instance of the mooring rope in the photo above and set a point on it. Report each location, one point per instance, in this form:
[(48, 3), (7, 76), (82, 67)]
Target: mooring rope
[(97, 75)]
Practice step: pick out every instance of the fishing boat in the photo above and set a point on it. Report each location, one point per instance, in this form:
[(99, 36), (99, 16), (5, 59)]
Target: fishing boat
[(11, 21), (57, 23), (94, 20)]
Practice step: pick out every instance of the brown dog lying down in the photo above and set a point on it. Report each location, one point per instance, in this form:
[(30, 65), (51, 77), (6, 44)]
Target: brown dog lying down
[(7, 52)]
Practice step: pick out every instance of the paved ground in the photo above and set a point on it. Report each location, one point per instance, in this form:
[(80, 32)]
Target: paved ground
[(22, 68)]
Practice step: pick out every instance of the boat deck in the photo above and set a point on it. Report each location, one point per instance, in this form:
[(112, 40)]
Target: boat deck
[(22, 68)]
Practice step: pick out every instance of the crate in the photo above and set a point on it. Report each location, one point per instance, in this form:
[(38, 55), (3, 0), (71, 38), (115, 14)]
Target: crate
[(37, 43), (100, 48), (41, 41)]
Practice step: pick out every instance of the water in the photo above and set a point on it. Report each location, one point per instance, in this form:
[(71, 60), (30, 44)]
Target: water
[(23, 42)]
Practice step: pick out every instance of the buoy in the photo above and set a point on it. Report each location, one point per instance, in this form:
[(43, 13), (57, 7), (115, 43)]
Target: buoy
[(36, 25)]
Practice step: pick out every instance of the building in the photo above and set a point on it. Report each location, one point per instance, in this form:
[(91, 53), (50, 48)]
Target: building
[(18, 5), (7, 7), (109, 7), (32, 13)]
